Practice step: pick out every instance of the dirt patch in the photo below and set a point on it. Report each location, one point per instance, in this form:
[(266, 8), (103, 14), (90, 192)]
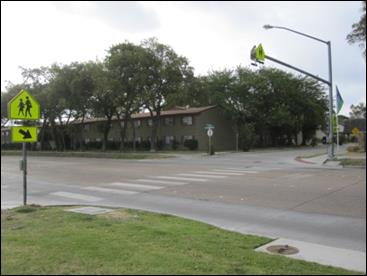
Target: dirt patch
[(118, 215)]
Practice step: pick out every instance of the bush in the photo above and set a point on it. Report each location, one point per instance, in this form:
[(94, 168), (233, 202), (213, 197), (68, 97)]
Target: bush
[(212, 150), (191, 144), (353, 139), (144, 145), (354, 148), (314, 141), (175, 144), (341, 139), (247, 137)]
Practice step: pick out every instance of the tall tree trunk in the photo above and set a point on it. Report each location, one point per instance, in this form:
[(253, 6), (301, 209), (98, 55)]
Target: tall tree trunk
[(155, 127), (123, 130), (134, 134), (106, 130), (81, 135)]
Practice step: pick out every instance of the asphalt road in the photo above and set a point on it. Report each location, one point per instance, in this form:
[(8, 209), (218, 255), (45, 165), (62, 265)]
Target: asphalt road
[(265, 193)]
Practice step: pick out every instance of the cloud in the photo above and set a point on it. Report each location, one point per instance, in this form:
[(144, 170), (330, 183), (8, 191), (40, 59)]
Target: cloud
[(123, 16)]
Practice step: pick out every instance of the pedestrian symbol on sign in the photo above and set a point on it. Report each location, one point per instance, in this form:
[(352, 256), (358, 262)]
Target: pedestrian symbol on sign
[(24, 107), (21, 107), (28, 104)]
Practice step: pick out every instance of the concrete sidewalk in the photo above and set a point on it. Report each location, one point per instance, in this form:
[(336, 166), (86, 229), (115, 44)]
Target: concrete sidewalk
[(326, 255)]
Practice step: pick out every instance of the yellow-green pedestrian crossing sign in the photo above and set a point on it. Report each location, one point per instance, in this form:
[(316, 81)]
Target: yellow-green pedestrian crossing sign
[(257, 54), (21, 134), (260, 54), (24, 107)]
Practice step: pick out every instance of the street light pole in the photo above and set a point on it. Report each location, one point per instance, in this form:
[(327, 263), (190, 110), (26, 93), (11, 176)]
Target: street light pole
[(330, 83)]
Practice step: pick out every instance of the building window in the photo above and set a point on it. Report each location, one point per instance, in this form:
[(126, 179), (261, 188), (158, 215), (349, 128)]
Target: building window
[(187, 120), (168, 121), (150, 122), (137, 123), (169, 140), (186, 137)]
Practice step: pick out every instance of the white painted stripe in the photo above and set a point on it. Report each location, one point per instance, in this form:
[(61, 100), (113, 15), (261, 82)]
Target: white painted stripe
[(219, 173), (202, 175), (161, 182), (234, 171), (113, 191), (297, 175), (136, 186), (77, 196), (182, 178)]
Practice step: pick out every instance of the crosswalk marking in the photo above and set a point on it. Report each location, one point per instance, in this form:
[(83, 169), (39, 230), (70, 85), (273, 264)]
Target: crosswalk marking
[(219, 173), (234, 171), (136, 186), (113, 191), (156, 181), (77, 196), (202, 175), (182, 178)]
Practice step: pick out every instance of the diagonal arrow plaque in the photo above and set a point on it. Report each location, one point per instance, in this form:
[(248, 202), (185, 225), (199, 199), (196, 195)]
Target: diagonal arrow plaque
[(26, 134), (21, 134)]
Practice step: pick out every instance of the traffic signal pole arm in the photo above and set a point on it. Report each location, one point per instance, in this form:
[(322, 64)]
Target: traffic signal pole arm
[(297, 69)]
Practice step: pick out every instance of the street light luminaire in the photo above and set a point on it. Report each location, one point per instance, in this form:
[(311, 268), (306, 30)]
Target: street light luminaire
[(267, 27)]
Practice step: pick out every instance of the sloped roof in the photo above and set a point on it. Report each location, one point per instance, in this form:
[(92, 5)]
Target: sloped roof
[(177, 110)]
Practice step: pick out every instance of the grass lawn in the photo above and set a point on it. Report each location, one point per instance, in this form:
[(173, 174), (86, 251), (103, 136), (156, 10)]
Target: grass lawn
[(52, 241), (91, 154), (352, 162)]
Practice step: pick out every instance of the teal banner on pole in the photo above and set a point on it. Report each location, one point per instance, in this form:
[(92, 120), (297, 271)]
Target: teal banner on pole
[(339, 100)]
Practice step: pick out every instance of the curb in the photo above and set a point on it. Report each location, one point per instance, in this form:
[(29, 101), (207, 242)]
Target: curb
[(299, 159)]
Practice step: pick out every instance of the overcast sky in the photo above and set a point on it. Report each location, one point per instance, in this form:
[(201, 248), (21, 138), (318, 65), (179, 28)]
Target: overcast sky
[(212, 35)]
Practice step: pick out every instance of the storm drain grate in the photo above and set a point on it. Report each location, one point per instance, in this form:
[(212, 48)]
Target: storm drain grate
[(282, 249)]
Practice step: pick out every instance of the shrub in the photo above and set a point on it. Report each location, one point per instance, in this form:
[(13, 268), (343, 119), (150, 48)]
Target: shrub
[(353, 148), (353, 139), (314, 141), (341, 139), (212, 150), (191, 144), (247, 136), (175, 144)]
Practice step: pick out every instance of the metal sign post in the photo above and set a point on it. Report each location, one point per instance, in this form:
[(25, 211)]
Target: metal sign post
[(24, 168), (210, 134), (24, 107)]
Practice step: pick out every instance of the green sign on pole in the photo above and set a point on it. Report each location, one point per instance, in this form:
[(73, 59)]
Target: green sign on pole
[(209, 126)]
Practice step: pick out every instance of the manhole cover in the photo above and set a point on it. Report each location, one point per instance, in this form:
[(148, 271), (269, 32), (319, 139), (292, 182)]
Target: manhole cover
[(282, 249)]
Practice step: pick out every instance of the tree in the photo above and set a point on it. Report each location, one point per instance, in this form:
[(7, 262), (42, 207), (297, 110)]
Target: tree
[(127, 65), (103, 99), (165, 77), (358, 34), (358, 111)]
